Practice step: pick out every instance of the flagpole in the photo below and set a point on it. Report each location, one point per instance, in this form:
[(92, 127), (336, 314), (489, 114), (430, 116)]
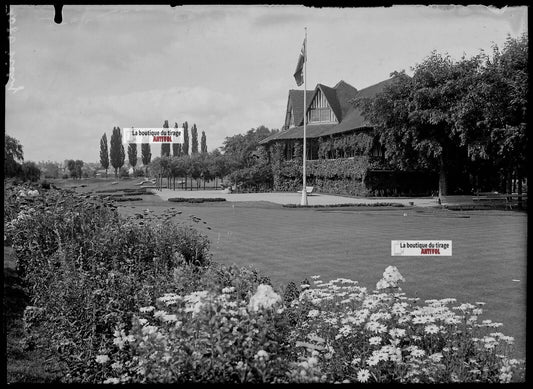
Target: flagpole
[(304, 190)]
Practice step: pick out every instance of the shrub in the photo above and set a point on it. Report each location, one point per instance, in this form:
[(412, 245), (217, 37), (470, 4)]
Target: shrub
[(123, 173), (202, 337), (138, 173), (89, 270)]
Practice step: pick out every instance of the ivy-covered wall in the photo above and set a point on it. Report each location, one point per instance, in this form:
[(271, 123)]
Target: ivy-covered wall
[(357, 176), (337, 176), (337, 172)]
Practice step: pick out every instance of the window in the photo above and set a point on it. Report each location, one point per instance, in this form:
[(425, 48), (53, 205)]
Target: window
[(320, 111), (291, 119)]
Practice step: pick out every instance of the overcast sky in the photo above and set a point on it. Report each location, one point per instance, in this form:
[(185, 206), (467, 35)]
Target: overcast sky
[(226, 68)]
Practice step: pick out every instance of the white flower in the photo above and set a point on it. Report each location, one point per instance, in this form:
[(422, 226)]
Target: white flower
[(363, 375), (112, 380), (435, 357), (146, 309), (391, 278), (373, 360), (416, 352), (262, 354), (147, 330), (375, 340), (431, 329), (313, 313), (119, 342), (170, 298), (382, 284), (228, 289), (356, 361), (312, 361), (102, 359), (264, 298), (170, 318), (397, 332)]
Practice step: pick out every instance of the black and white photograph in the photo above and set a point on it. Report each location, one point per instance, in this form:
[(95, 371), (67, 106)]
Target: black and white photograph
[(268, 193)]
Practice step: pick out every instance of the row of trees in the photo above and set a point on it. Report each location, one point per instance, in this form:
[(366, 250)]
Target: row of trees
[(241, 161), (465, 119), (115, 155)]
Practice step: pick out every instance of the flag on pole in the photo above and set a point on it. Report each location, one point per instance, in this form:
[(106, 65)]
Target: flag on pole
[(299, 73)]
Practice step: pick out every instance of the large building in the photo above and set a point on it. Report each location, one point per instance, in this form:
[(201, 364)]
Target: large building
[(343, 152)]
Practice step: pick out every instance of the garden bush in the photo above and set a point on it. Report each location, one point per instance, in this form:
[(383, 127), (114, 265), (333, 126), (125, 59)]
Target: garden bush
[(89, 270)]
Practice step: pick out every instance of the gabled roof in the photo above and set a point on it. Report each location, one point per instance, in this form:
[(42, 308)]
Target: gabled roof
[(339, 97), (296, 101)]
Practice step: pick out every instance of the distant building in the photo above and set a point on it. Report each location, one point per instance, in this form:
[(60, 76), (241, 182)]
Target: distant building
[(343, 152)]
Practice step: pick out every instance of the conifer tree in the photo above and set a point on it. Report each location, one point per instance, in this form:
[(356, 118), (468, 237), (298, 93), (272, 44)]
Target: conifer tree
[(104, 153), (203, 144), (194, 140), (176, 147), (116, 153), (146, 155), (132, 154), (185, 147)]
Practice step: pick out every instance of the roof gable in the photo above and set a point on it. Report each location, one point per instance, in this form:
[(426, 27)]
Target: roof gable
[(296, 103)]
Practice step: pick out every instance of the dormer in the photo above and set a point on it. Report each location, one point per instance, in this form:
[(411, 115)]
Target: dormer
[(320, 109)]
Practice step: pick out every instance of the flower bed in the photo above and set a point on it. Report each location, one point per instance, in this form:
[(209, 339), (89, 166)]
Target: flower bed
[(196, 199), (117, 302), (382, 204)]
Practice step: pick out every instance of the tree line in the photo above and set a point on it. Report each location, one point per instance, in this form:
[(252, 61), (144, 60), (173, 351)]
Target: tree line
[(115, 155)]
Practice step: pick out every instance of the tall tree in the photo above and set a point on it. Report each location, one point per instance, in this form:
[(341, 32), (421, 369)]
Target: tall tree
[(176, 147), (185, 147), (146, 155), (503, 99), (203, 144), (104, 153), (165, 147), (194, 139), (132, 154), (242, 147), (75, 168), (414, 116), (116, 152)]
